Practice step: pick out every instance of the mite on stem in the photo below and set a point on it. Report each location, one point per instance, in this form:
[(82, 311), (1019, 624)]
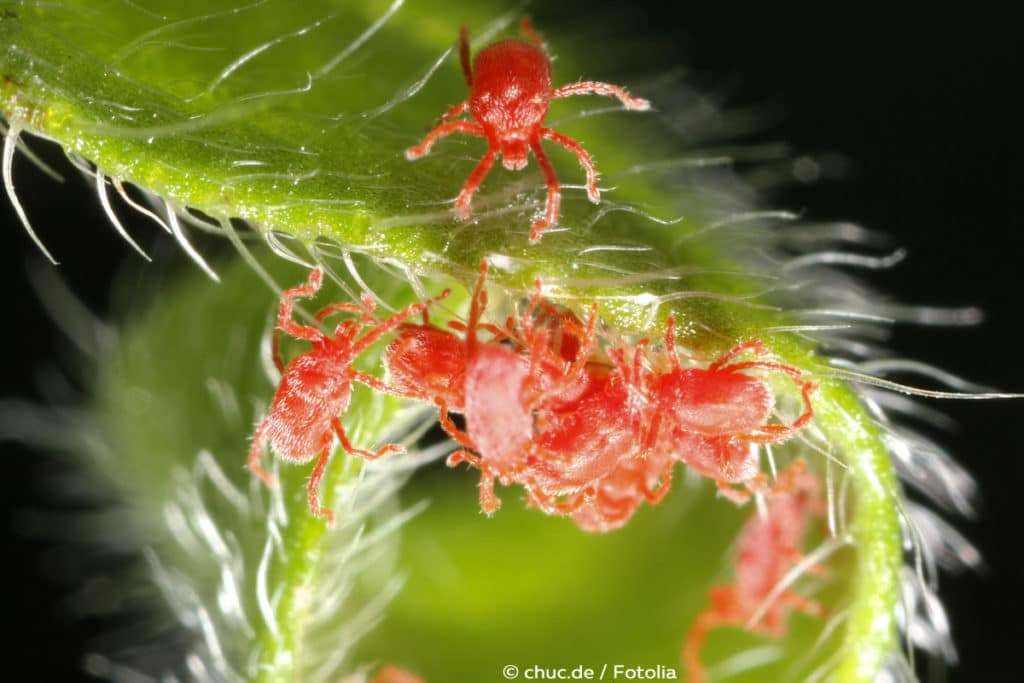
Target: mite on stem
[(510, 91), (710, 417), (316, 387)]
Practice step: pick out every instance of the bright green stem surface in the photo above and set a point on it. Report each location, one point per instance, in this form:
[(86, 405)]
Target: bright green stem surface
[(294, 117), (871, 630)]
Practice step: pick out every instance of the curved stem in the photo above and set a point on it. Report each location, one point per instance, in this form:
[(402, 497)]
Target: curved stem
[(871, 631)]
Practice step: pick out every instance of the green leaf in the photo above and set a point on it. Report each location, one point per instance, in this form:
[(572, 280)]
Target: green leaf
[(294, 117)]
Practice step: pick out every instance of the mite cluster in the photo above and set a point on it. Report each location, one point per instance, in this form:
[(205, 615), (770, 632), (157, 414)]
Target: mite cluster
[(590, 428)]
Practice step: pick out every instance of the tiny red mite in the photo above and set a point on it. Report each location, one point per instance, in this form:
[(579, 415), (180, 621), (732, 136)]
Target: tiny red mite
[(710, 417), (510, 91), (316, 387)]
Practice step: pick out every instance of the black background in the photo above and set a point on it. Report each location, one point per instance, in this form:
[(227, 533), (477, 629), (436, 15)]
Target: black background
[(920, 98)]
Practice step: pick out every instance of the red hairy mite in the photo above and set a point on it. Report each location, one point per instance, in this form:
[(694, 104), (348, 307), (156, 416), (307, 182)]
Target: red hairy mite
[(428, 363), (510, 91), (709, 417), (316, 387), (768, 547), (431, 364)]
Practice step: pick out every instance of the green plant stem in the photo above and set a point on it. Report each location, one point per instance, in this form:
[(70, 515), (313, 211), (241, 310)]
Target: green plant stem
[(871, 629)]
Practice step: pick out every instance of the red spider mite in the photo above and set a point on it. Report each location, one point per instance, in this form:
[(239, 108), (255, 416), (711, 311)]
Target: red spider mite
[(431, 364), (610, 429), (428, 363), (768, 547), (387, 674), (316, 387), (712, 416), (510, 91)]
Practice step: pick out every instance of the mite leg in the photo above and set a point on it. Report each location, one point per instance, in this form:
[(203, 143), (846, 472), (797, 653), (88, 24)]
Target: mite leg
[(284, 314), (275, 349), (462, 203), (362, 452), (549, 504), (499, 334), (392, 674), (453, 430), (381, 386), (593, 194), (331, 309), (597, 88), (695, 641), (255, 453), (775, 433), (670, 343), (456, 110), (735, 495), (447, 128), (802, 604), (392, 323), (664, 485), (754, 345), (649, 436), (588, 342), (313, 488), (476, 308), (721, 612), (526, 28), (489, 502), (554, 199), (467, 69)]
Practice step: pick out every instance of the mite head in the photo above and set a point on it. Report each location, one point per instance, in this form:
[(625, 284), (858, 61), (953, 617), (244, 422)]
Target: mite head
[(513, 152)]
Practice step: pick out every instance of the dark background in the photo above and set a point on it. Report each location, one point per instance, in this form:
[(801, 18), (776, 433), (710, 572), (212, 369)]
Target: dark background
[(919, 98)]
